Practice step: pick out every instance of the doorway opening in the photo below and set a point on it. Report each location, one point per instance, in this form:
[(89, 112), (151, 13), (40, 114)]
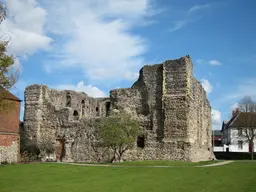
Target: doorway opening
[(60, 152), (107, 108)]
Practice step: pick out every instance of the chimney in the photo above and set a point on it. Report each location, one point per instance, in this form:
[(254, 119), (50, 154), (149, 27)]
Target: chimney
[(235, 112)]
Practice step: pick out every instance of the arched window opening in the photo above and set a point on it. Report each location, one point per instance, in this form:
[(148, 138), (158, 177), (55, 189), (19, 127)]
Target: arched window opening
[(97, 111), (68, 100), (83, 107), (141, 141), (107, 108), (75, 115)]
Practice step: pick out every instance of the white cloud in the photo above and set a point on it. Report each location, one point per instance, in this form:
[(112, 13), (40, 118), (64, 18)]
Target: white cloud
[(15, 69), (17, 65), (188, 19), (88, 89), (244, 88), (215, 62), (198, 7), (216, 119), (234, 106), (200, 61), (236, 92), (97, 36), (24, 27), (178, 25), (131, 75), (211, 62), (207, 86)]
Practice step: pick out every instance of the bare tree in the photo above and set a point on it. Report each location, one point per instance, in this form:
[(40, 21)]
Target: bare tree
[(245, 123)]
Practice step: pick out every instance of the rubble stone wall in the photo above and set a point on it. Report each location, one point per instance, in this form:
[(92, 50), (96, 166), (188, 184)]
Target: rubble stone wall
[(62, 117), (170, 104), (9, 148)]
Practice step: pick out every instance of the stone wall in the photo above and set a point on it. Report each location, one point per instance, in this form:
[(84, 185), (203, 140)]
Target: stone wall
[(169, 102), (199, 122), (62, 118), (9, 148), (173, 110)]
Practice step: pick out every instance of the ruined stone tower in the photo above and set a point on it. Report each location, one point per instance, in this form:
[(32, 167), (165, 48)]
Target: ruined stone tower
[(169, 102)]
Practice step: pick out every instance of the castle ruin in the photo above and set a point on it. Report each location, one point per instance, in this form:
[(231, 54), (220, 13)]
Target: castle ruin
[(169, 102)]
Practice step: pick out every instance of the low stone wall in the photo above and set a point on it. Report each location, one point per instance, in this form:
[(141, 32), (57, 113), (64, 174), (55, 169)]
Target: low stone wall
[(9, 148), (234, 155)]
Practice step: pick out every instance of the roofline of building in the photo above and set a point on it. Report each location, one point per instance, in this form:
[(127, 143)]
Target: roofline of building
[(18, 100), (227, 125), (9, 95)]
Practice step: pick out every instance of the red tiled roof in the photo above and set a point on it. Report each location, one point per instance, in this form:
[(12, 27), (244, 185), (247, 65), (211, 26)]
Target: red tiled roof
[(5, 94)]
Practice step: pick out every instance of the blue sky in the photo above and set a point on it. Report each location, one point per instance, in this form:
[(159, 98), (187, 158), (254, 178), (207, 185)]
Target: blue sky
[(98, 45)]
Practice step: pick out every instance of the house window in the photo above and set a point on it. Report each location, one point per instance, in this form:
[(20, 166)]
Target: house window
[(240, 144)]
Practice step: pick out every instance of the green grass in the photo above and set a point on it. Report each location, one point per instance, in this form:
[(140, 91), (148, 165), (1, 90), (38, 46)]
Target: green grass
[(49, 177), (164, 163), (155, 163)]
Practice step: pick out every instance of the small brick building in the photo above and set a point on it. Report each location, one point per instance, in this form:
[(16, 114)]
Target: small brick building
[(9, 126)]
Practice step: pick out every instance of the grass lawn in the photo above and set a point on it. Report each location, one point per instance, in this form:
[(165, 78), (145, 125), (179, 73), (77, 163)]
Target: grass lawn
[(156, 163), (49, 177), (164, 163)]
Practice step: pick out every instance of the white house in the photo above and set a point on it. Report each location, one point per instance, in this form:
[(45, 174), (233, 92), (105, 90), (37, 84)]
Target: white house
[(234, 132)]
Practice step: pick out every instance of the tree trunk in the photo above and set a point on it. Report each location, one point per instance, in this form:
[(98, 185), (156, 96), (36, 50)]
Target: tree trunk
[(121, 153), (114, 157), (120, 158)]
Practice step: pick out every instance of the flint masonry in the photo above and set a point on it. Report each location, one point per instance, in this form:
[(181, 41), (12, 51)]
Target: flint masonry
[(171, 105)]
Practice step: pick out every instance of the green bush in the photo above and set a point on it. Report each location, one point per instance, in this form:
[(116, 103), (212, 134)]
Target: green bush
[(4, 163), (27, 157)]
